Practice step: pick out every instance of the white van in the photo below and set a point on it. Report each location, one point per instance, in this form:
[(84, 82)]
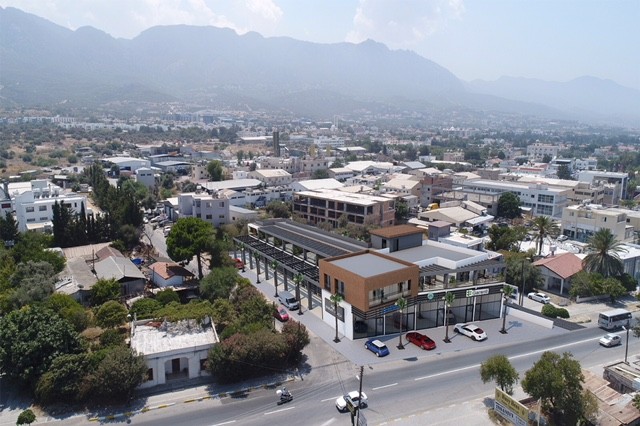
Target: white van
[(288, 300)]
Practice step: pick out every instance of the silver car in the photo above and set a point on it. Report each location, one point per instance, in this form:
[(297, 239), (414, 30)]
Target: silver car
[(539, 297), (610, 339)]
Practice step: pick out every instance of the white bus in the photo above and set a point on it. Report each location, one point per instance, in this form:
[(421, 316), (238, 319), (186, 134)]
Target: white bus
[(615, 318)]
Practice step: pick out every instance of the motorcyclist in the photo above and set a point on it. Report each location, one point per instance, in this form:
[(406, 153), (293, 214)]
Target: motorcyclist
[(285, 394)]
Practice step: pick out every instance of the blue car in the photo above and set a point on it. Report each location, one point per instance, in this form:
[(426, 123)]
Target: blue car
[(377, 347)]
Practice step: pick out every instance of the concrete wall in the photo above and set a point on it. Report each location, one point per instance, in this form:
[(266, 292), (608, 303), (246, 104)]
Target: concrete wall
[(547, 323)]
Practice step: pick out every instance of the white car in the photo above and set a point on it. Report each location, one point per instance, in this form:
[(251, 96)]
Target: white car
[(610, 339), (539, 297), (470, 330), (341, 402)]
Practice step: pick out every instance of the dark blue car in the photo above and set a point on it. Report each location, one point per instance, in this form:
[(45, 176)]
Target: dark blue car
[(377, 347)]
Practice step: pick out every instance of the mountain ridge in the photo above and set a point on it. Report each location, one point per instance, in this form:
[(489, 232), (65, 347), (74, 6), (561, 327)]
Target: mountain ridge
[(45, 64)]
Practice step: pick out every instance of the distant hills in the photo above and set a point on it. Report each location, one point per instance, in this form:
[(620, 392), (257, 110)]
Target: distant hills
[(44, 64)]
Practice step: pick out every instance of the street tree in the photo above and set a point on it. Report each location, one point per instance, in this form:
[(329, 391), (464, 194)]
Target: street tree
[(557, 380), (111, 314), (507, 292), (298, 280), (219, 283), (336, 298), (119, 374), (498, 368), (30, 339), (63, 381), (401, 303), (448, 299), (274, 266), (189, 237), (544, 227), (603, 257), (256, 256), (564, 172), (509, 206)]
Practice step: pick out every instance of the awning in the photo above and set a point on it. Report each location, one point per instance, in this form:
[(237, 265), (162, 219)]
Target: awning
[(480, 220)]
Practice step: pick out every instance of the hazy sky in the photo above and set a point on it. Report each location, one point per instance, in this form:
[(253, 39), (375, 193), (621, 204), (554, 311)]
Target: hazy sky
[(548, 39)]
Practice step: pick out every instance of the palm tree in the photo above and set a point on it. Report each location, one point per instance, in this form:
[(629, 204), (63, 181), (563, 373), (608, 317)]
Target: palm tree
[(274, 266), (401, 303), (544, 227), (603, 257), (336, 298), (256, 255), (507, 291), (448, 301), (298, 280), (242, 253)]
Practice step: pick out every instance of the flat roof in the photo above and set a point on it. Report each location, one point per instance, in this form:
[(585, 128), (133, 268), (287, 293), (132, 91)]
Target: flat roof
[(157, 337), (347, 197), (396, 231), (369, 265)]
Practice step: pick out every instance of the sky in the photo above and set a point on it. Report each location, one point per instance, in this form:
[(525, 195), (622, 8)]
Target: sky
[(554, 40)]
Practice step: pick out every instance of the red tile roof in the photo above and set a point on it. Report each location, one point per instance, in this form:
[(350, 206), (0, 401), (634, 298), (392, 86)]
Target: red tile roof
[(564, 265), (167, 270)]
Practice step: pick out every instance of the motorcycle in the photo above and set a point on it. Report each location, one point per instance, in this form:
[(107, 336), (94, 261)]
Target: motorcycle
[(285, 396)]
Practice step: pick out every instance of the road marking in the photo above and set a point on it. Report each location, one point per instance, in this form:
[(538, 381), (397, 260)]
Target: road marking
[(329, 399), (225, 423), (385, 386), (511, 358), (279, 411)]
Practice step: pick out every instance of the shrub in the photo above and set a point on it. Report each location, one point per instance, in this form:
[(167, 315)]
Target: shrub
[(562, 313), (549, 311)]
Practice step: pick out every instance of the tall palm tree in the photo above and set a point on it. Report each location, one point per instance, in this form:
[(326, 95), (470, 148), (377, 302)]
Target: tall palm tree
[(401, 303), (507, 291), (448, 298), (544, 227), (336, 298), (242, 253), (603, 257), (298, 280), (256, 255), (274, 266)]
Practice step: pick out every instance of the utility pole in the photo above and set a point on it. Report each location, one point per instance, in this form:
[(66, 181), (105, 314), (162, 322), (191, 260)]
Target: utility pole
[(360, 394), (522, 292)]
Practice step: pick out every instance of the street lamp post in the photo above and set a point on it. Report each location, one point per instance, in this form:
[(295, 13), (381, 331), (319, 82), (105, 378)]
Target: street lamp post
[(522, 292)]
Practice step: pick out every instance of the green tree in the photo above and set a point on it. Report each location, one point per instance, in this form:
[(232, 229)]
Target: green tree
[(557, 381), (189, 237), (111, 314), (336, 298), (448, 299), (274, 266), (63, 381), (507, 291), (320, 174), (69, 309), (26, 417), (33, 282), (105, 290), (297, 281), (501, 239), (498, 368), (30, 339), (112, 337), (145, 308), (564, 172), (219, 283), (8, 228), (544, 227), (279, 209), (401, 303), (509, 206), (215, 170), (119, 374), (166, 296), (603, 257), (402, 209)]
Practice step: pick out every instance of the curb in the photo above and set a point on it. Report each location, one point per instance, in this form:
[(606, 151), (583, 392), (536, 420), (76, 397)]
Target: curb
[(220, 395)]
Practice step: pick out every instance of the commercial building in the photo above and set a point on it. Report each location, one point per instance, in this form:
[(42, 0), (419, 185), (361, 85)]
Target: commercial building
[(580, 222), (204, 206), (271, 177)]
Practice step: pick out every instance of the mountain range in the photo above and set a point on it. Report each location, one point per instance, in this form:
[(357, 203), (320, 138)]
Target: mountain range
[(44, 64)]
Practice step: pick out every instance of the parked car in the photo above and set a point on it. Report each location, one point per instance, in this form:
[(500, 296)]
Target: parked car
[(470, 330), (421, 341), (377, 347), (281, 314), (539, 297), (610, 339), (562, 238), (341, 402)]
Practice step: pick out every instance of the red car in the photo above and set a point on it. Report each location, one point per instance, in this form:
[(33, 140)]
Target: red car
[(281, 314), (421, 341)]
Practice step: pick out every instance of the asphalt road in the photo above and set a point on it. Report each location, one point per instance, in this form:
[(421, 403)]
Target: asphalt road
[(406, 392)]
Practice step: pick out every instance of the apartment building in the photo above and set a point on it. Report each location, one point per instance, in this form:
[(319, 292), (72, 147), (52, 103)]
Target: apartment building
[(580, 222), (616, 183), (540, 198), (272, 177), (204, 206), (453, 156), (538, 150), (328, 205), (433, 186)]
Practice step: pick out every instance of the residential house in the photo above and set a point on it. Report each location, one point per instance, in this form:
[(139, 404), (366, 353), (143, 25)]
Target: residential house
[(557, 271), (169, 274)]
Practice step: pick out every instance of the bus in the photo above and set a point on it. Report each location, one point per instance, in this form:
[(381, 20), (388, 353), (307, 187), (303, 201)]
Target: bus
[(615, 318)]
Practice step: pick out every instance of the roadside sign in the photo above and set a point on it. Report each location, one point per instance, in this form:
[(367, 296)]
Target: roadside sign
[(481, 292), (511, 409)]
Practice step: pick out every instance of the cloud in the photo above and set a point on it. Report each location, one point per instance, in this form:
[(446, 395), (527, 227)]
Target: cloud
[(402, 24)]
